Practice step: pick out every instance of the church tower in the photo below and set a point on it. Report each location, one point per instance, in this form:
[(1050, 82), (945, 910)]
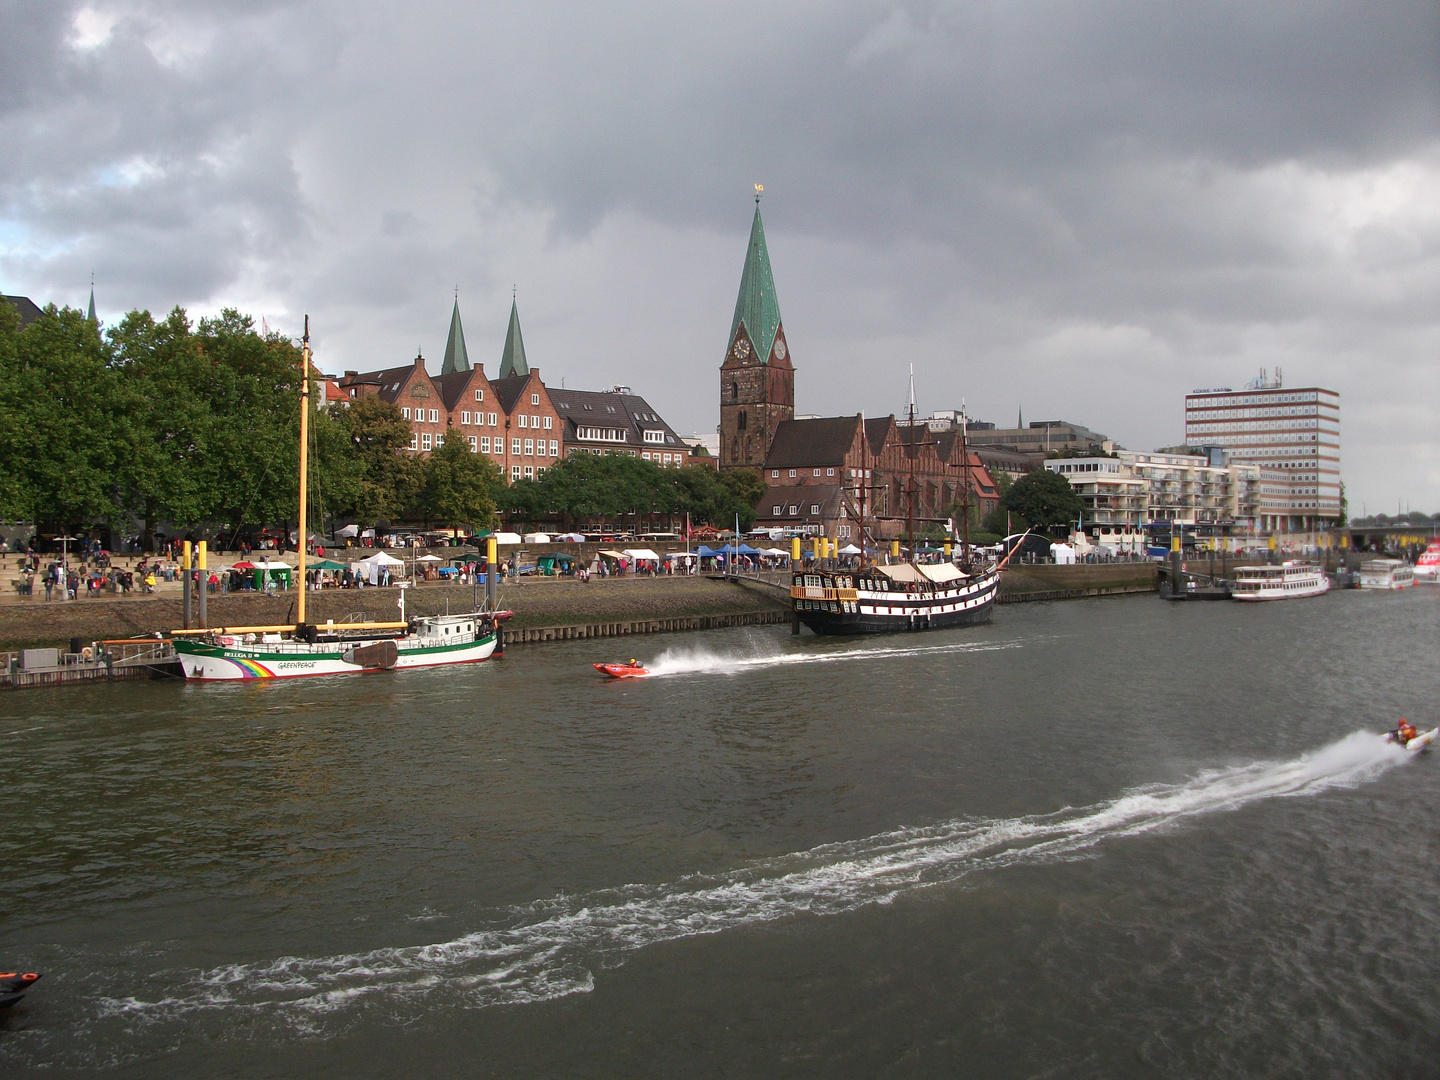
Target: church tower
[(757, 381)]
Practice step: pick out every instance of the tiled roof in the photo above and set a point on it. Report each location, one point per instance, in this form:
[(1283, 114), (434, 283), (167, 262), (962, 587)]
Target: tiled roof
[(389, 380), (452, 386), (508, 391), (27, 308), (823, 441), (826, 496), (595, 409)]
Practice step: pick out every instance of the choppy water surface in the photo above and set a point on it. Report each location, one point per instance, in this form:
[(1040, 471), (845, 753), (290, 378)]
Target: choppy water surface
[(1112, 838)]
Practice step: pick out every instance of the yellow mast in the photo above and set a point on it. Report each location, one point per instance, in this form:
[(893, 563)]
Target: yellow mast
[(304, 459)]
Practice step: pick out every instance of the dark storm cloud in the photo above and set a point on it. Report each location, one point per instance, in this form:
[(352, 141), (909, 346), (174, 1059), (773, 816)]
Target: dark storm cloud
[(1096, 206)]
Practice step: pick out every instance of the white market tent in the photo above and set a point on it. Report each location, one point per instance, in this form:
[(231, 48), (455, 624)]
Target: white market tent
[(370, 568), (642, 555), (429, 558), (850, 549), (507, 538), (537, 538)]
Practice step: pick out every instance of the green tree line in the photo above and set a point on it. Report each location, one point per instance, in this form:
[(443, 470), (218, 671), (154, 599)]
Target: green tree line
[(196, 425)]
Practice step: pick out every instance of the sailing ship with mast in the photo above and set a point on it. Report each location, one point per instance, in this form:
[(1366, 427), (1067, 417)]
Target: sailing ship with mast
[(907, 596), (330, 648)]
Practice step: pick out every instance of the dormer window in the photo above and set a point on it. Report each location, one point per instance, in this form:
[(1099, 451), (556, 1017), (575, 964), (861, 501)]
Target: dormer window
[(534, 399)]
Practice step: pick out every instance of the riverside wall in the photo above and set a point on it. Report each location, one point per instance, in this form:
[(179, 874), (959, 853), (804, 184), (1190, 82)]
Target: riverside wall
[(546, 609)]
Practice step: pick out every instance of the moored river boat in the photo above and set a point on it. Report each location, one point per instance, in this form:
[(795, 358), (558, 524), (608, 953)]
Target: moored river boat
[(1289, 581), (1386, 574), (305, 648)]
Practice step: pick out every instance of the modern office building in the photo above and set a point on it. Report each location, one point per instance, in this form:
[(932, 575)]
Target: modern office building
[(1292, 432)]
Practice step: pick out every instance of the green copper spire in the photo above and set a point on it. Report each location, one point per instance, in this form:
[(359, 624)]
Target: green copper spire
[(456, 359), (757, 306), (512, 360), (91, 313)]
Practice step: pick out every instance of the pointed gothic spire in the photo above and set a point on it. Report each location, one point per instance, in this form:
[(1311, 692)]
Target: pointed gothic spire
[(456, 359), (90, 314), (1019, 417), (512, 360), (757, 306)]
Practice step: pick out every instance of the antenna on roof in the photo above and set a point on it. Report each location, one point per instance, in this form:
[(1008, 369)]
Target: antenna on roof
[(912, 386)]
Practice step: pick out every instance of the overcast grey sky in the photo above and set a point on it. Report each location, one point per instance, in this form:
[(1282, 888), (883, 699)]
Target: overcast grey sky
[(1084, 209)]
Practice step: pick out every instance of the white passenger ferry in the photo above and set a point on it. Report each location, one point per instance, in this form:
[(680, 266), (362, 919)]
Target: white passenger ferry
[(1386, 574), (1289, 581)]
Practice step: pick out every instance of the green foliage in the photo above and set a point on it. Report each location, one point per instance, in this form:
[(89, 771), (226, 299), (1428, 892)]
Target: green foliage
[(1038, 500), (388, 481), (460, 486), (65, 422), (197, 426), (597, 486)]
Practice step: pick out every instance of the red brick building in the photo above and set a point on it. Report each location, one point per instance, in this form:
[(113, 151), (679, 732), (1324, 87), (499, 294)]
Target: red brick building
[(823, 473)]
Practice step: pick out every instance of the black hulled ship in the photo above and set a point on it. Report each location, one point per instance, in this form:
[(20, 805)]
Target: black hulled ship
[(892, 599)]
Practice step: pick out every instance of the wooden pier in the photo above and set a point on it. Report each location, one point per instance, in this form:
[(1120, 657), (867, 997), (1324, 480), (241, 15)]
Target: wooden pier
[(101, 661)]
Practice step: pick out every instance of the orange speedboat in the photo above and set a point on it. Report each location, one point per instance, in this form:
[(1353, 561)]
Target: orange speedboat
[(632, 670)]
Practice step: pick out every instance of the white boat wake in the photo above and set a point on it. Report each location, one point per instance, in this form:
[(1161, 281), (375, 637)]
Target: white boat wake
[(552, 947), (682, 661)]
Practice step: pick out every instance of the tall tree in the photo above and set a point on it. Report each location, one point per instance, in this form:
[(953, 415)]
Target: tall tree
[(460, 486), (388, 479), (1042, 498), (63, 434)]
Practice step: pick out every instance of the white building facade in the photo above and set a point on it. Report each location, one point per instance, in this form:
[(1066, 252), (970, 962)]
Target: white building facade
[(1131, 490), (1294, 434)]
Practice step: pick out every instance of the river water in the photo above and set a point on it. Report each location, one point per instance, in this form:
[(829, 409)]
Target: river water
[(1098, 838)]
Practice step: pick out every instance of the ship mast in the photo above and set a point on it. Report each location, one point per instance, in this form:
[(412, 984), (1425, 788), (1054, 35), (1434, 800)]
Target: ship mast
[(864, 485), (965, 486), (910, 501), (304, 461)]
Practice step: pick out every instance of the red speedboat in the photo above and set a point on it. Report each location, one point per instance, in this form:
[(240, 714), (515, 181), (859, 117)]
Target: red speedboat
[(632, 670)]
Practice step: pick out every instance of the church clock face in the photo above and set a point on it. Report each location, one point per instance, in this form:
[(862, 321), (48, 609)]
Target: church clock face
[(779, 348), (742, 348)]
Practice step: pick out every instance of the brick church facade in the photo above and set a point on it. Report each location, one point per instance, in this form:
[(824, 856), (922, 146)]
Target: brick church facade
[(824, 474)]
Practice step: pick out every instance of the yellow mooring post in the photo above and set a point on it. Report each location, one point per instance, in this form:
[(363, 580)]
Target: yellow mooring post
[(895, 548), (795, 553), (185, 583), (947, 550), (1271, 546), (492, 589), (1177, 586), (204, 582)]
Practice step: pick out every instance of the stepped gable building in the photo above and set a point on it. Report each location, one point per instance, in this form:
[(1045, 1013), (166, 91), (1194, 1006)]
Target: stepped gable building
[(819, 470), (413, 390), (532, 425), (757, 380), (514, 419)]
